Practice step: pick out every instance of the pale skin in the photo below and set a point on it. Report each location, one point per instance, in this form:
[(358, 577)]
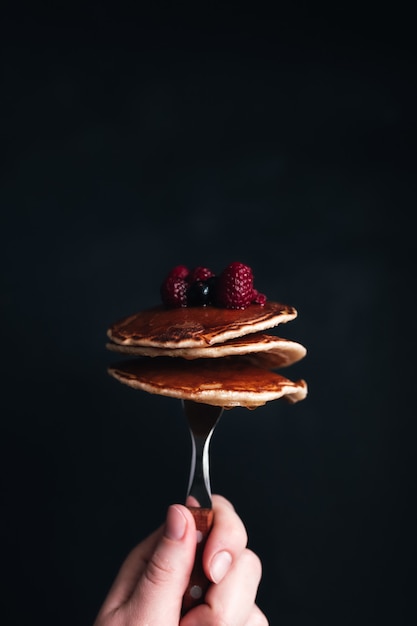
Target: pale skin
[(149, 587)]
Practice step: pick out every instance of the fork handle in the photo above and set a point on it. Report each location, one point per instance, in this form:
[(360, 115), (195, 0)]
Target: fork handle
[(199, 582)]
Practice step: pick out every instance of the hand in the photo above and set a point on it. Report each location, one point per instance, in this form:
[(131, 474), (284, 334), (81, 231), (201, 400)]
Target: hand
[(149, 587)]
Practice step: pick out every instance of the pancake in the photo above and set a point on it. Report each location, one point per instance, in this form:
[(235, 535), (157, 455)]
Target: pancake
[(196, 327), (229, 382), (267, 350)]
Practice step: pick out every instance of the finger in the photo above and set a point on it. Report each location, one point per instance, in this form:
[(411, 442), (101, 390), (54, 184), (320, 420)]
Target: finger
[(257, 618), (226, 541), (157, 597), (232, 601)]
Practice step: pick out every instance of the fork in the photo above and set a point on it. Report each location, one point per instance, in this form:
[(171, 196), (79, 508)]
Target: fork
[(202, 420)]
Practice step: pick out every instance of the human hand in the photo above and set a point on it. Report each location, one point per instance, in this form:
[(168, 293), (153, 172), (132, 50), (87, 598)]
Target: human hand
[(150, 585)]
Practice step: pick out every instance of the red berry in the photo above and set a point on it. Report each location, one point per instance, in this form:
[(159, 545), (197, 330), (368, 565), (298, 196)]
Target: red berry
[(258, 298), (200, 274), (235, 287), (179, 271), (174, 291)]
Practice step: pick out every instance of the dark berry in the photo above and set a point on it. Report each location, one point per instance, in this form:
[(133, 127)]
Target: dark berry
[(235, 287), (212, 285), (198, 294)]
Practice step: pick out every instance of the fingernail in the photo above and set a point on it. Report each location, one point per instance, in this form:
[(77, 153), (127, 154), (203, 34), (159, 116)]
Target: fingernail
[(220, 565), (176, 524)]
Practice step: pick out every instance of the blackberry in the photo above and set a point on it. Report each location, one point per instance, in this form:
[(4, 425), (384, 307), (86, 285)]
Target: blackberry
[(212, 285), (202, 292), (198, 294)]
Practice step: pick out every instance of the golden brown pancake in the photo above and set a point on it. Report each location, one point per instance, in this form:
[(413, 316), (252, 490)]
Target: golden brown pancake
[(227, 382), (267, 350), (196, 327)]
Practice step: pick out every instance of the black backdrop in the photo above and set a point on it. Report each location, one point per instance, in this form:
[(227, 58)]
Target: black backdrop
[(137, 140)]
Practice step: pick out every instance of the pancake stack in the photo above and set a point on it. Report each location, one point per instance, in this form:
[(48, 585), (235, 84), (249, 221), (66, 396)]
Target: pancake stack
[(208, 354), (207, 344)]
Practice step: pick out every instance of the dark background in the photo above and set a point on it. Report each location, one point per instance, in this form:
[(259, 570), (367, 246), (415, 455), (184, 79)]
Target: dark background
[(140, 138)]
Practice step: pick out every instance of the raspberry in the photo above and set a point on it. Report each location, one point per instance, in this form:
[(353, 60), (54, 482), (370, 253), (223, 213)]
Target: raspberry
[(235, 287), (200, 274), (174, 291), (258, 298), (179, 271)]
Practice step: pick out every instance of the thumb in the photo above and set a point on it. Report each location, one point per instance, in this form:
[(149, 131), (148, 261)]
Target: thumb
[(158, 595)]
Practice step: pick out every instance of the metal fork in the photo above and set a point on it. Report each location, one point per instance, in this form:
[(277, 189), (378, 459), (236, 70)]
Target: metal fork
[(202, 420)]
